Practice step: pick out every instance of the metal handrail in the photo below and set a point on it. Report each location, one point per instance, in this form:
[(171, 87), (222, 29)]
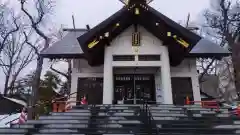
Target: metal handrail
[(208, 104), (149, 114)]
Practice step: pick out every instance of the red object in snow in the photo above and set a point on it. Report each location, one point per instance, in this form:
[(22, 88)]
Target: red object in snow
[(84, 101), (188, 102), (23, 117)]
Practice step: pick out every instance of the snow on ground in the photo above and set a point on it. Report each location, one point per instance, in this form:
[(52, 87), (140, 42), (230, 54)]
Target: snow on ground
[(7, 118)]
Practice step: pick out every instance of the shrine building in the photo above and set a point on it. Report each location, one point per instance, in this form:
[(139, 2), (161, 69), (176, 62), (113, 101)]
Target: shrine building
[(137, 54)]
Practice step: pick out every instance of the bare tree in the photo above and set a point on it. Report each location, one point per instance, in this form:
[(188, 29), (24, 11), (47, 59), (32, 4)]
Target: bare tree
[(17, 55), (206, 66), (223, 20), (67, 74), (43, 8), (8, 24)]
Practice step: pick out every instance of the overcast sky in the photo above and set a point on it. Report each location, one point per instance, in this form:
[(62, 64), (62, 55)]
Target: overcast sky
[(93, 12)]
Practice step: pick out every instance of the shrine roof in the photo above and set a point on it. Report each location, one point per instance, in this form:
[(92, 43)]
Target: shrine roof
[(69, 47)]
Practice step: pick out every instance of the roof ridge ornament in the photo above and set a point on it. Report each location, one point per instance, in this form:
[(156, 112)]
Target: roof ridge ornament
[(131, 2)]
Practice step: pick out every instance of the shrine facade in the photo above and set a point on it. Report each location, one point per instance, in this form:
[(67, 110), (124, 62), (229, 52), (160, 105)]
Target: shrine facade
[(135, 55)]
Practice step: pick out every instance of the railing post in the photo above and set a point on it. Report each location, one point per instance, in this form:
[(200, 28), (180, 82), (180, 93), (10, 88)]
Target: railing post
[(188, 102), (55, 107)]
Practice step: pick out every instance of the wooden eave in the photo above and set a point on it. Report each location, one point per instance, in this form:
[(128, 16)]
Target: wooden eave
[(148, 18)]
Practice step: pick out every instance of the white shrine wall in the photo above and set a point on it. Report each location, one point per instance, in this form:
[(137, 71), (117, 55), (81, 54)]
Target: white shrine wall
[(122, 45)]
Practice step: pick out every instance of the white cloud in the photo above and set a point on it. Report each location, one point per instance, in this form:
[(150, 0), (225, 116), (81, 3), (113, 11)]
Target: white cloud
[(94, 11)]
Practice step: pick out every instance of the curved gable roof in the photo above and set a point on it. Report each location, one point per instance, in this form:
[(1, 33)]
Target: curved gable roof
[(152, 20), (69, 46)]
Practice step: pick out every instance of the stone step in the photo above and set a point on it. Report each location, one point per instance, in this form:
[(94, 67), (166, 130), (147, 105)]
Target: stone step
[(194, 115), (201, 110), (107, 106), (197, 130), (193, 111), (116, 134), (56, 117), (79, 111), (171, 107), (126, 134), (130, 113), (195, 121), (12, 134), (168, 114), (126, 119), (180, 118), (69, 114), (166, 108), (198, 125), (66, 117), (102, 130), (103, 110), (56, 134), (89, 114), (80, 128), (227, 127), (86, 112), (56, 121), (73, 122), (138, 130), (12, 130)]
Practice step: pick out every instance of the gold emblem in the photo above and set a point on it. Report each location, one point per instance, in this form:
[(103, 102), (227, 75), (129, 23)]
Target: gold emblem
[(136, 39), (183, 43), (180, 41), (92, 44)]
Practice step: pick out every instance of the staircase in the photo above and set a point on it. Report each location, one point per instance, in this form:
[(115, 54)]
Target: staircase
[(131, 120)]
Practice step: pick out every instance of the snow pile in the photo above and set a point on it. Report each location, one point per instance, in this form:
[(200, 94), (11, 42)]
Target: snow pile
[(7, 118)]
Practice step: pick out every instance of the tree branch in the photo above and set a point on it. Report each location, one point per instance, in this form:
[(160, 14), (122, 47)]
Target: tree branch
[(30, 44), (59, 72), (33, 23), (206, 69), (2, 44)]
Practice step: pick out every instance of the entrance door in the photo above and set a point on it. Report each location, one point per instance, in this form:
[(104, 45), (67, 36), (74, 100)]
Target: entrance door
[(92, 87), (181, 88), (134, 89), (144, 88)]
